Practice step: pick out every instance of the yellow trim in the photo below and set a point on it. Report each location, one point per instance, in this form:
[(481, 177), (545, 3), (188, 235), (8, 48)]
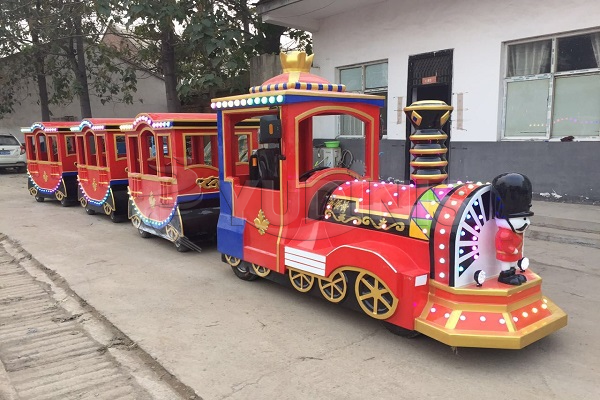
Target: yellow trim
[(338, 170), (428, 177), (339, 111), (504, 340), (428, 151), (428, 163), (48, 162), (428, 105), (153, 177), (453, 320), (93, 167), (428, 137), (295, 92), (482, 291), (510, 324)]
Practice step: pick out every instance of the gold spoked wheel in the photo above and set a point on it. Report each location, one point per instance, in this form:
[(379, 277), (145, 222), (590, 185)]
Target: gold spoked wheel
[(300, 281), (261, 271), (335, 287), (374, 297), (233, 261)]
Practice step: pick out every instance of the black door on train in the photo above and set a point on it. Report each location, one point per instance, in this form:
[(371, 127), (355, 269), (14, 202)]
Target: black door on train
[(429, 78)]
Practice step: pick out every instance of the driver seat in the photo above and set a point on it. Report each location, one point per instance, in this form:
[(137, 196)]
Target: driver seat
[(268, 167)]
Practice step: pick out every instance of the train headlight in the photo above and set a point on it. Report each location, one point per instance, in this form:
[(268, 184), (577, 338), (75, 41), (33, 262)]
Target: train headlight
[(479, 277)]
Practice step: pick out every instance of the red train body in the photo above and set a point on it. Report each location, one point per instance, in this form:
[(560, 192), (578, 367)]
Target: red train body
[(420, 256)]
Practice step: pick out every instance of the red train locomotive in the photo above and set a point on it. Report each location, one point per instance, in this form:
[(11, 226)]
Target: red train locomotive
[(101, 167), (173, 174), (421, 256), (430, 257), (51, 157)]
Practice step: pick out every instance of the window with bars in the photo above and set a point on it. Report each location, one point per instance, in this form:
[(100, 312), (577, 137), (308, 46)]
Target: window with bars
[(370, 78), (552, 88)]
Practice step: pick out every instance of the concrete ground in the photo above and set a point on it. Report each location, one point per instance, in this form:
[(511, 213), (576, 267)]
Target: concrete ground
[(231, 339)]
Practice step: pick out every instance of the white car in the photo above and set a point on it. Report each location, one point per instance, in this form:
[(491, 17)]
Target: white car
[(12, 153)]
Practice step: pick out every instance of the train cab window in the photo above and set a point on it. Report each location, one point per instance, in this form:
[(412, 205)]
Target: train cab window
[(101, 153), (90, 149), (242, 148), (80, 150), (134, 160), (148, 147), (31, 148), (164, 157), (42, 154), (120, 147), (70, 145), (199, 150), (53, 154)]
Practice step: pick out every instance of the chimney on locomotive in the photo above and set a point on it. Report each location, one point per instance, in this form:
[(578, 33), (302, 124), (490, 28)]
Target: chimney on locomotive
[(428, 141)]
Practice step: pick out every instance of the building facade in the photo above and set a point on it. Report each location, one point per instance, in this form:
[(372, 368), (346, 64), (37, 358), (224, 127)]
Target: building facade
[(523, 78)]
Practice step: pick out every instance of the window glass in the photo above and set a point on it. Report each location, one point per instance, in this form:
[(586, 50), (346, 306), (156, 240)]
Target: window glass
[(351, 126), (578, 52), (8, 141), (243, 148), (120, 145), (527, 108), (52, 140), (70, 142), (376, 76), (572, 116), (207, 150), (529, 58), (43, 156), (352, 78)]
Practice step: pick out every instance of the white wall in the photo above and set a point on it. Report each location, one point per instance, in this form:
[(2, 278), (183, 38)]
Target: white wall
[(475, 29), (150, 97)]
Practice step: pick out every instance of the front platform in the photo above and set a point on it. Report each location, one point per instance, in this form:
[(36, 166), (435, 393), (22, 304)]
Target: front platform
[(492, 316)]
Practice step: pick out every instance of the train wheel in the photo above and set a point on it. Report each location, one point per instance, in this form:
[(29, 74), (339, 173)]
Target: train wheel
[(64, 202), (335, 287), (402, 332), (300, 281), (144, 234), (240, 269), (261, 271), (39, 199), (374, 297), (116, 218), (89, 211)]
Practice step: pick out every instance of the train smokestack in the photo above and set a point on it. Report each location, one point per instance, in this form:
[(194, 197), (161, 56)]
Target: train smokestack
[(428, 149)]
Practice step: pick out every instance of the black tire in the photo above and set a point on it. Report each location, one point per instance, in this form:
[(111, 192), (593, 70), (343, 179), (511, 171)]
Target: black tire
[(116, 218), (65, 203), (243, 271), (21, 169), (402, 332), (144, 234), (39, 199), (90, 211), (182, 248)]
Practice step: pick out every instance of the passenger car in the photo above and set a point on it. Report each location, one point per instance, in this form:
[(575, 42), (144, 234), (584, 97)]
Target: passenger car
[(12, 153)]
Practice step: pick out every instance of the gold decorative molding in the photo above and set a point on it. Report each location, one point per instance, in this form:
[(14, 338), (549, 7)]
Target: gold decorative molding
[(45, 176), (94, 184), (152, 200), (210, 182), (261, 222)]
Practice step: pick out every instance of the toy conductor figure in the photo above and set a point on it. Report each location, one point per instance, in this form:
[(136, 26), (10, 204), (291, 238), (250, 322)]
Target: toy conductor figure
[(512, 200)]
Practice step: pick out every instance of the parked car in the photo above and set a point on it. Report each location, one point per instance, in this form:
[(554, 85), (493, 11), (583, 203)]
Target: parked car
[(12, 153)]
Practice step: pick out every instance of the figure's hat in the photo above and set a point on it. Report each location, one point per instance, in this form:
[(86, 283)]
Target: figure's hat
[(512, 195)]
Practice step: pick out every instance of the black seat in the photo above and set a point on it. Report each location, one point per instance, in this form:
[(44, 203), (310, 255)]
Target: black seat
[(268, 167)]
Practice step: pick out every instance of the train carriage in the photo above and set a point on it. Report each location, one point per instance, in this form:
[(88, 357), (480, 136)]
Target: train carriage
[(419, 256), (101, 167), (51, 157), (173, 166)]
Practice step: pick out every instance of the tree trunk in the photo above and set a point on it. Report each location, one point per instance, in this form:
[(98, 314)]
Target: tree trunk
[(39, 64), (168, 67), (81, 71)]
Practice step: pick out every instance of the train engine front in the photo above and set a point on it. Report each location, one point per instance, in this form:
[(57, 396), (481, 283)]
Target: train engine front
[(474, 288)]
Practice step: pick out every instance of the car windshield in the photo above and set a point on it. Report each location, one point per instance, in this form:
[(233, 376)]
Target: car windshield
[(8, 141)]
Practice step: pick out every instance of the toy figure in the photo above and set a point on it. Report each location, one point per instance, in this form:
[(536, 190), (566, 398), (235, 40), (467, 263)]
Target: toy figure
[(513, 194)]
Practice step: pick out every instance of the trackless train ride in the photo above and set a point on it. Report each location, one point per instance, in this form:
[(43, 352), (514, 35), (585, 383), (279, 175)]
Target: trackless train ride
[(432, 257)]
